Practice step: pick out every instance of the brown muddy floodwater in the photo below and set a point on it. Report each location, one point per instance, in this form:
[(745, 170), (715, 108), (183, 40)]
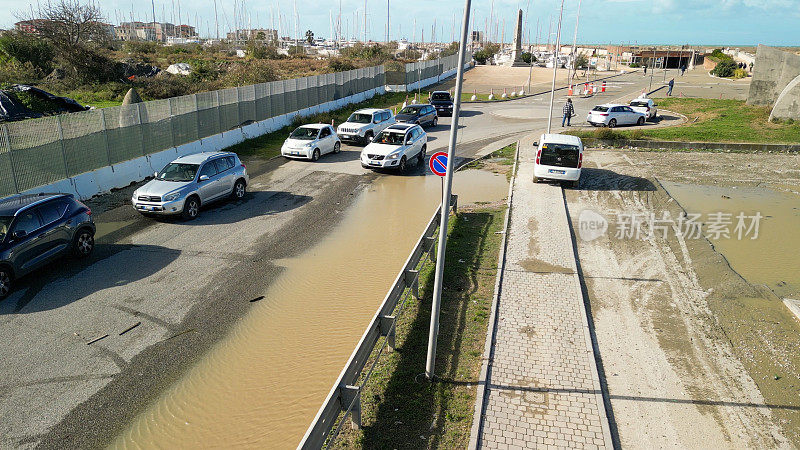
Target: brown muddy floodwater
[(772, 259), (261, 385)]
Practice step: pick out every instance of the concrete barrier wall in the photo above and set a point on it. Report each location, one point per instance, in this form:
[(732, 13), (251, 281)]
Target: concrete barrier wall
[(773, 70), (105, 179)]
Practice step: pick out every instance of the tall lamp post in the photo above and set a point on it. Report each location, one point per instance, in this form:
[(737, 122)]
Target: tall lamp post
[(556, 51), (445, 208)]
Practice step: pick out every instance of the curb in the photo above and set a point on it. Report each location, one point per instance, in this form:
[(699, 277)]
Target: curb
[(694, 146), (480, 397)]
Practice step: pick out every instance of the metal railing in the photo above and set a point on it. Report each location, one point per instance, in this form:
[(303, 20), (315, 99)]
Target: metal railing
[(344, 399)]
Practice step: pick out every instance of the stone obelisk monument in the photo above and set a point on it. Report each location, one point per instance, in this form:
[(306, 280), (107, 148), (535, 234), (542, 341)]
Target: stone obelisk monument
[(516, 60)]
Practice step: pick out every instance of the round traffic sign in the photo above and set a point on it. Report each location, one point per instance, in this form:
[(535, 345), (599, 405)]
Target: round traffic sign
[(438, 163)]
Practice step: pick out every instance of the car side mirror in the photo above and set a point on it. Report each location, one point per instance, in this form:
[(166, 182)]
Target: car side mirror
[(535, 144), (203, 177), (376, 121), (19, 234), (155, 175)]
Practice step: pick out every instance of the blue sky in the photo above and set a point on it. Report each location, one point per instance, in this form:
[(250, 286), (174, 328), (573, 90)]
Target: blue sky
[(733, 22)]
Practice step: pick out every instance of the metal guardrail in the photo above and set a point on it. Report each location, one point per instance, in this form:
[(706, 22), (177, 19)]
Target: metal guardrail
[(345, 396)]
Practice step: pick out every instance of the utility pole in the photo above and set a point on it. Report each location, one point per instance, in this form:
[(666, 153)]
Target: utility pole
[(652, 70), (387, 22), (572, 67), (216, 19), (445, 208), (555, 70), (365, 21)]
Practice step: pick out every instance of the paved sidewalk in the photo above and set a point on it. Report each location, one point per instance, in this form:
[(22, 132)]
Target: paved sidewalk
[(542, 387)]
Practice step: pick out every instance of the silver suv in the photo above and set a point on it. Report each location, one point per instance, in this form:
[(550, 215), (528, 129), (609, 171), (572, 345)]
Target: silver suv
[(363, 125), (190, 182)]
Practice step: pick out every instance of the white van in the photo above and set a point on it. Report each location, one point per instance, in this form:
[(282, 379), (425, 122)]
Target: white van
[(558, 157)]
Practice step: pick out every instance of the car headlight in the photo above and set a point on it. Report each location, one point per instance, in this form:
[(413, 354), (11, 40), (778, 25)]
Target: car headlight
[(393, 155), (171, 197)]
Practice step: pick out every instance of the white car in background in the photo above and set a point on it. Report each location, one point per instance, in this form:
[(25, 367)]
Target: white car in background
[(558, 157), (365, 124), (610, 115), (395, 147), (645, 106), (311, 141)]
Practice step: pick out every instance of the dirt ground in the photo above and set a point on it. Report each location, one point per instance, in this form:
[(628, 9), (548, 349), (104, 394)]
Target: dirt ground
[(482, 79), (693, 355)]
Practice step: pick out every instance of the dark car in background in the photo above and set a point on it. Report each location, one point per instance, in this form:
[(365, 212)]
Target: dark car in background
[(443, 102), (418, 115), (36, 229)]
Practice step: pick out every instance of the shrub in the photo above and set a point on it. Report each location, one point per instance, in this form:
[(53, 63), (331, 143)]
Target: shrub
[(340, 65), (254, 72), (636, 134), (724, 68), (739, 73), (257, 50), (635, 65), (16, 48), (526, 57), (607, 134), (142, 47)]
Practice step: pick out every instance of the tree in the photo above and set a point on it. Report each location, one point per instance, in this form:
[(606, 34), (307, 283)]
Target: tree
[(580, 62), (310, 36)]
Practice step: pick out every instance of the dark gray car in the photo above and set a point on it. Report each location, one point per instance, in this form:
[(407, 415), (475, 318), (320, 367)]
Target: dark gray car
[(36, 229)]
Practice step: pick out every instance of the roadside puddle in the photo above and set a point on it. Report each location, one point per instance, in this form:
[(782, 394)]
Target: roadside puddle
[(772, 259), (262, 384)]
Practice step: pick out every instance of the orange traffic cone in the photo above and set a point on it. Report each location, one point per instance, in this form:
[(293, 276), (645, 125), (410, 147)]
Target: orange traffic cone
[(570, 90), (604, 87)]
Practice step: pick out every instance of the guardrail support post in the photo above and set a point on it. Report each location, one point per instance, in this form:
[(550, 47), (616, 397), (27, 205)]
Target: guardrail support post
[(412, 281), (388, 330), (352, 394), (455, 203)]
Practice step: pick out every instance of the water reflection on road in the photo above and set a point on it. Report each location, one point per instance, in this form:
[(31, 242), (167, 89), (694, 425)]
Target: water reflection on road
[(263, 383)]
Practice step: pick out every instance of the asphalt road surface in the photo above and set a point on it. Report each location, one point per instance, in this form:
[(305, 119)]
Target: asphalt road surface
[(183, 284)]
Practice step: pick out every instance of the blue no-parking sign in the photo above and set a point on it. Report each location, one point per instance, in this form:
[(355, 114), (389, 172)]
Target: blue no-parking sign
[(438, 163)]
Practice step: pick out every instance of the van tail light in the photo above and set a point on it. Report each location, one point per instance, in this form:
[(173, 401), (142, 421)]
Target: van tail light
[(243, 166), (538, 156), (580, 160), (88, 212)]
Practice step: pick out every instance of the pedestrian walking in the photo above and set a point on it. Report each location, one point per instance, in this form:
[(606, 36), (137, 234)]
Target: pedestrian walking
[(645, 69), (683, 69), (568, 111), (671, 84)]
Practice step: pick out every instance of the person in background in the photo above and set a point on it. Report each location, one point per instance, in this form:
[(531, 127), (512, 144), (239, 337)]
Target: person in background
[(671, 84), (683, 69), (568, 111)]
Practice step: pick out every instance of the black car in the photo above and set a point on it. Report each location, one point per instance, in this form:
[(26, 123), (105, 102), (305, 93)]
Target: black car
[(443, 103), (36, 229), (418, 114)]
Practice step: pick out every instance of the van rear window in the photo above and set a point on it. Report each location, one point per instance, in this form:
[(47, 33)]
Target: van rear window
[(559, 155), (642, 104)]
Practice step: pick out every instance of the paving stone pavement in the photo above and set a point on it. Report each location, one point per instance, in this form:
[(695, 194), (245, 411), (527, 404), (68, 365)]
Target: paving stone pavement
[(542, 387)]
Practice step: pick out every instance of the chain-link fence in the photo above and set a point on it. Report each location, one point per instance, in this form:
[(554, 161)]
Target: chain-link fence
[(38, 152)]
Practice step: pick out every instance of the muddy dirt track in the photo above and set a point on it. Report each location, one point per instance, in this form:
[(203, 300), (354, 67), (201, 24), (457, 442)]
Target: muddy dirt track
[(693, 354)]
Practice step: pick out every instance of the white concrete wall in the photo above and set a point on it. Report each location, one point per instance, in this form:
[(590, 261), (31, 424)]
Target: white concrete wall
[(105, 179)]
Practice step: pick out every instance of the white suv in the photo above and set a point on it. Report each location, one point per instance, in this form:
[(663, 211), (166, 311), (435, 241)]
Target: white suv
[(395, 147), (645, 106), (365, 124)]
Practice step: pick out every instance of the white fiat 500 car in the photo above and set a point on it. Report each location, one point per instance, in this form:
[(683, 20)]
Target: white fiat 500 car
[(311, 141), (558, 157), (395, 147), (365, 124), (611, 115), (645, 106)]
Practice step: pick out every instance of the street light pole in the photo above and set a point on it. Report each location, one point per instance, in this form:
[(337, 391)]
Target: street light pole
[(574, 44), (556, 51), (445, 208), (652, 71)]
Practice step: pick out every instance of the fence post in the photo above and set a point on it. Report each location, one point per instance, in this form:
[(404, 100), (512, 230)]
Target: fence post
[(219, 115), (7, 142), (352, 394), (171, 126), (388, 330), (105, 137), (197, 116), (141, 127), (63, 147)]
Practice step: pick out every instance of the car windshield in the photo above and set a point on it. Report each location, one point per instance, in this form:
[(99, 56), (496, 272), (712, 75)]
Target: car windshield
[(5, 221), (440, 96), (178, 172), (600, 108), (360, 118), (390, 138), (410, 110), (559, 155), (304, 134), (639, 103)]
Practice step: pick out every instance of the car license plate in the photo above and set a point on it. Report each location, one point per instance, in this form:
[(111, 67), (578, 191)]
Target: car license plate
[(374, 163), (559, 172), (346, 136), (295, 153)]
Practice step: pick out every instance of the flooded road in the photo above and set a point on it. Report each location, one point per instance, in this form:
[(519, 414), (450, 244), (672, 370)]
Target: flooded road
[(263, 383), (772, 258)]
